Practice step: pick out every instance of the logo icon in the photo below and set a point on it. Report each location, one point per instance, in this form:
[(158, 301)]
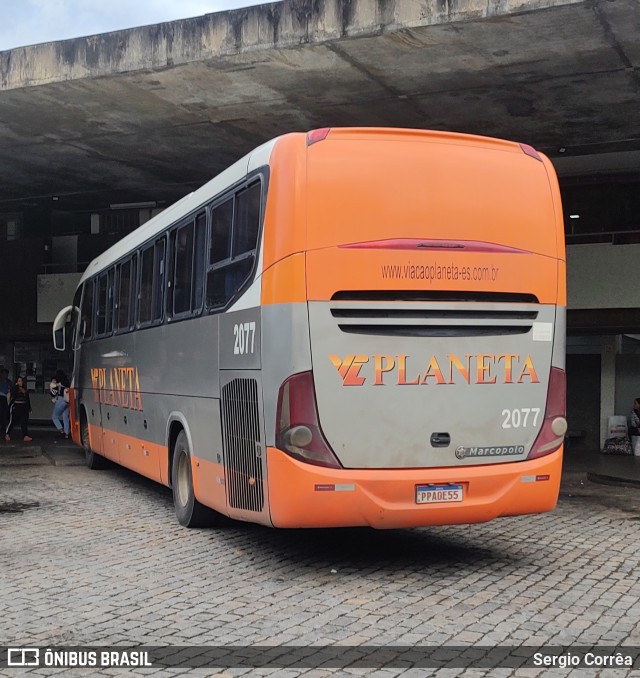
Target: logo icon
[(23, 656)]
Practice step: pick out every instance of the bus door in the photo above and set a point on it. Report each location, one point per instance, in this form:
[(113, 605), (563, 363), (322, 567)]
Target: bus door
[(88, 375), (244, 450), (108, 404)]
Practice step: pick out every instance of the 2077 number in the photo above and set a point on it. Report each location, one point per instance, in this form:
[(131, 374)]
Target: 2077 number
[(525, 416), (244, 338)]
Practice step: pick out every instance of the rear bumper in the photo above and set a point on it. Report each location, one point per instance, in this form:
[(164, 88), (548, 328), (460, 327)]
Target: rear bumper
[(302, 495)]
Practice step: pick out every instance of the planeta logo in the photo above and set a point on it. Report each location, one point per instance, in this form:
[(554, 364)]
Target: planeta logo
[(480, 368), (118, 386)]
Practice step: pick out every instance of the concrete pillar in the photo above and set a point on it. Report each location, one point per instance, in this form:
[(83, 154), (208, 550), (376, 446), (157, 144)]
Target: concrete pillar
[(609, 350)]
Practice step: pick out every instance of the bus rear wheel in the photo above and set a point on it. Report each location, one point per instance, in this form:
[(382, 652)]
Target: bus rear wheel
[(189, 511), (93, 460)]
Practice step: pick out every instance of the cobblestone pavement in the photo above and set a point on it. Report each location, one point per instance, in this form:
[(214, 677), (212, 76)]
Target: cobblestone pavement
[(97, 558)]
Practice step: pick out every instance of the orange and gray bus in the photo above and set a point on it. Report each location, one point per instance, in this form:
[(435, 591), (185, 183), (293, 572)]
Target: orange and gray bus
[(348, 327)]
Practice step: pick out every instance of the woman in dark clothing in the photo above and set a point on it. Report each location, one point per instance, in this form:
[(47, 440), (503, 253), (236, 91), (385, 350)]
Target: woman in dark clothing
[(19, 408)]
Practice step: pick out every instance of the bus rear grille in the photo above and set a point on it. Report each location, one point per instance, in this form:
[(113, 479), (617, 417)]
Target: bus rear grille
[(241, 431), (450, 318)]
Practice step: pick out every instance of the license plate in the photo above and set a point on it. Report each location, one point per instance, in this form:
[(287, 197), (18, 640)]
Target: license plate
[(438, 494)]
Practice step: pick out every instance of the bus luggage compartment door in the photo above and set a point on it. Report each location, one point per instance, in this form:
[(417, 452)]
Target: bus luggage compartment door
[(85, 401), (243, 443)]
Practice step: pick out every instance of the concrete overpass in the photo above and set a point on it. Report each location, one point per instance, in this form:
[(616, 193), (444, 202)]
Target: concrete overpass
[(149, 113)]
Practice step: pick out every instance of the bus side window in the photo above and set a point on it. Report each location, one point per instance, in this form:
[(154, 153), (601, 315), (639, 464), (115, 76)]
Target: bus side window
[(198, 262), (158, 278), (171, 267), (123, 318), (221, 223), (183, 269), (135, 267), (145, 292), (219, 252), (110, 300), (76, 318), (247, 221), (234, 240), (86, 322), (101, 311)]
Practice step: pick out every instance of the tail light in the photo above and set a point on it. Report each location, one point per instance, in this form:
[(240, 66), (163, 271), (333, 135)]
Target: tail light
[(298, 429), (316, 135), (531, 151), (554, 426)]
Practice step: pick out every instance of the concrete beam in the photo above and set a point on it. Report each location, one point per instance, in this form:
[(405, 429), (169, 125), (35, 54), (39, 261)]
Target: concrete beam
[(278, 25), (151, 112)]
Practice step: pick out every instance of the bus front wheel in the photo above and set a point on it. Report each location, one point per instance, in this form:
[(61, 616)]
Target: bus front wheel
[(189, 511)]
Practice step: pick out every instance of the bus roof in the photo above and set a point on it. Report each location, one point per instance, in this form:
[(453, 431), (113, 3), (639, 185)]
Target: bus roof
[(260, 157)]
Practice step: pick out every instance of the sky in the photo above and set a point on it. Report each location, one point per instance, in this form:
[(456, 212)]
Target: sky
[(29, 22)]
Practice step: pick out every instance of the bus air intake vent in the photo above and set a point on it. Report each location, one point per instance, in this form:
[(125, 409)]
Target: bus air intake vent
[(241, 431), (434, 295), (444, 318)]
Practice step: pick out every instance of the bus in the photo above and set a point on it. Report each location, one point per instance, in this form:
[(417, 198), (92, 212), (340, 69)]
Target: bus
[(346, 327)]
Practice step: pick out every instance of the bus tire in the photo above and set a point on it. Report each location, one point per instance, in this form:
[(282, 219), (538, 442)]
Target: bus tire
[(189, 511), (93, 460)]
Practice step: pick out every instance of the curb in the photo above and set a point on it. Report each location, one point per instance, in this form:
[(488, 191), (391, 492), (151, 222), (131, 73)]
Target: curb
[(612, 480)]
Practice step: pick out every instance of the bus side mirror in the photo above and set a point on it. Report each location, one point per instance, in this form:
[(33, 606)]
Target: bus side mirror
[(58, 340), (59, 324)]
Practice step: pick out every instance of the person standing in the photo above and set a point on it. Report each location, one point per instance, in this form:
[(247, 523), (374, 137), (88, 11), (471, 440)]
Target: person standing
[(60, 393), (5, 390), (19, 409)]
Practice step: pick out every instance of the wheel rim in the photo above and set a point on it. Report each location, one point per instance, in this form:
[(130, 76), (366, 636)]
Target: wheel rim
[(183, 478)]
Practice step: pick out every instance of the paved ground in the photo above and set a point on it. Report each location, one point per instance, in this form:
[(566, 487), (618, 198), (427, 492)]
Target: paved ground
[(97, 558)]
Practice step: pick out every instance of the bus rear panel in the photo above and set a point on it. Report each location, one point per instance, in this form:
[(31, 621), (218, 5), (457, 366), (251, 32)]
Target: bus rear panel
[(433, 285)]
